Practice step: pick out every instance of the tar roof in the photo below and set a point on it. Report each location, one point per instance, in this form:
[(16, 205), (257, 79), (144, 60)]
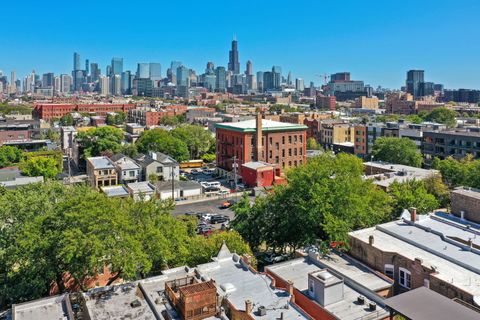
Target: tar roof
[(115, 191), (144, 187), (101, 163), (236, 282), (452, 262), (474, 193), (397, 172), (352, 272), (267, 125), (118, 302), (57, 307), (425, 304), (256, 165)]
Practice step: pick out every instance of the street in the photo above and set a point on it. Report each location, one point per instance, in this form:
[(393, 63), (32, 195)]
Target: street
[(210, 206)]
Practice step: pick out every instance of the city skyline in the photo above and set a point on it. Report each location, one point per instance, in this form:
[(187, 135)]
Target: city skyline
[(376, 44)]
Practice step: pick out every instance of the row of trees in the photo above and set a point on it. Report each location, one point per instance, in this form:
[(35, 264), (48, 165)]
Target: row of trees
[(182, 143), (51, 230), (463, 172), (397, 150), (323, 201), (439, 115)]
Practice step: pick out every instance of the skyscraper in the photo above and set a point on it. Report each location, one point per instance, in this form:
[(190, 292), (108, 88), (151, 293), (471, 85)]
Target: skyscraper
[(87, 67), (174, 65), (221, 78), (126, 87), (260, 81), (289, 78), (143, 71), (249, 68), (94, 72), (48, 80), (183, 76), (233, 64), (104, 85), (299, 84), (117, 66), (65, 83), (155, 72), (210, 68), (414, 79), (76, 61)]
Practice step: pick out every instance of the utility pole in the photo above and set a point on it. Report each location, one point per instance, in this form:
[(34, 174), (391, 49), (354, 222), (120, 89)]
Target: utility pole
[(173, 182)]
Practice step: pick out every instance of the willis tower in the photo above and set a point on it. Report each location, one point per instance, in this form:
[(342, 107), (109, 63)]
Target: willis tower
[(233, 64)]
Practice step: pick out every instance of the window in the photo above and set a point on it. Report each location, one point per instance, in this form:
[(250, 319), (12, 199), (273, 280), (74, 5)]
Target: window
[(295, 139), (271, 140), (159, 169), (283, 152), (289, 139), (295, 151), (283, 140), (426, 283), (404, 278), (389, 270), (132, 173), (311, 288), (270, 154)]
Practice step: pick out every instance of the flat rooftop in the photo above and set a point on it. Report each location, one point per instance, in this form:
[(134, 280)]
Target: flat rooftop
[(141, 187), (425, 304), (115, 191), (267, 126), (473, 193), (51, 308), (101, 163), (118, 302), (297, 270), (452, 260), (237, 283), (396, 172)]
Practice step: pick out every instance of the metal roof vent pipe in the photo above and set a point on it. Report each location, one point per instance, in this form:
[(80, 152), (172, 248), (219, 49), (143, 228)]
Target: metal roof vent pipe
[(371, 240), (372, 306)]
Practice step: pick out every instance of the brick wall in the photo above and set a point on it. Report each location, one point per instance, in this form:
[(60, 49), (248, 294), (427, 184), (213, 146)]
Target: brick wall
[(467, 203)]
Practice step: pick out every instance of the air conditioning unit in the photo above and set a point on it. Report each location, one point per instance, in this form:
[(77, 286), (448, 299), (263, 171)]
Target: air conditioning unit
[(262, 311)]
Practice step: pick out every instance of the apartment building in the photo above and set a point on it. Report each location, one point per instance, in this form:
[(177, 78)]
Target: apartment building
[(335, 132), (101, 172), (277, 143), (56, 111), (366, 103), (455, 143), (437, 251)]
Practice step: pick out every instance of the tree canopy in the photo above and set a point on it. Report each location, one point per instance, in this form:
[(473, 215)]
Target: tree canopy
[(312, 144), (463, 172), (199, 141), (443, 115), (412, 193), (67, 120), (162, 141), (50, 230), (397, 150), (96, 141), (323, 200), (40, 166), (115, 119), (9, 155)]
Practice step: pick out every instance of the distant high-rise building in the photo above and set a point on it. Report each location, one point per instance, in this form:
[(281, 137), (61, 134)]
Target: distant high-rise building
[(414, 78), (116, 85), (87, 67), (427, 89), (108, 70), (221, 78), (78, 74), (210, 69), (143, 71), (57, 84), (260, 81), (117, 66), (94, 72), (277, 74), (155, 72), (249, 68), (65, 83), (76, 62), (340, 76), (48, 80), (104, 85), (233, 64), (210, 82), (183, 76), (13, 82), (289, 78), (438, 87), (299, 84), (172, 76), (126, 84)]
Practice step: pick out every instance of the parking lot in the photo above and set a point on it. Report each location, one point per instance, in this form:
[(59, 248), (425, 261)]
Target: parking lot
[(210, 206)]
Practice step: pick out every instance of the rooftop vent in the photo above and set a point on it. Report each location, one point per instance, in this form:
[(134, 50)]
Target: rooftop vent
[(135, 303), (227, 287), (262, 311), (325, 275), (372, 306), (361, 300)]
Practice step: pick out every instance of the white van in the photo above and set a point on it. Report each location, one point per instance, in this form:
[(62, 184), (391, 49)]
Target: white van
[(215, 184)]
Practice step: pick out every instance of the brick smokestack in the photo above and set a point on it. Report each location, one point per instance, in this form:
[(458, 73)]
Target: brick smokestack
[(413, 214), (258, 137)]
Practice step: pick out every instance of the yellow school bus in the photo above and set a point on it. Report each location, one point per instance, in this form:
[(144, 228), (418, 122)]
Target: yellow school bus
[(191, 164)]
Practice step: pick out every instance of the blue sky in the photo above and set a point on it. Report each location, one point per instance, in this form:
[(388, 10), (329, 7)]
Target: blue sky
[(377, 41)]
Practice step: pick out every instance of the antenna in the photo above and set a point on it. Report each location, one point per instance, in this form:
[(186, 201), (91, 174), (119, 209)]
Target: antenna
[(234, 37)]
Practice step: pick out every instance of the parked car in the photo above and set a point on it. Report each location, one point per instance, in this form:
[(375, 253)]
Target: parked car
[(274, 258), (224, 192), (219, 219)]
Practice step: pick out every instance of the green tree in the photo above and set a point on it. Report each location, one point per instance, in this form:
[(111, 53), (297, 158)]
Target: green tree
[(9, 155), (40, 166), (199, 141), (67, 120), (129, 149), (209, 157), (162, 141), (412, 193), (169, 121), (455, 172), (329, 198), (98, 140), (397, 150), (312, 144), (443, 115), (438, 189)]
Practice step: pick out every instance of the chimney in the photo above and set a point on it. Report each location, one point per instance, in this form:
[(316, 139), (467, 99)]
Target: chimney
[(470, 243), (248, 306), (370, 240), (258, 137), (290, 290), (413, 214)]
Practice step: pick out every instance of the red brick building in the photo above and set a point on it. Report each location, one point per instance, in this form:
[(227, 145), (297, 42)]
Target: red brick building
[(56, 111), (276, 143), (326, 102), (261, 174)]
